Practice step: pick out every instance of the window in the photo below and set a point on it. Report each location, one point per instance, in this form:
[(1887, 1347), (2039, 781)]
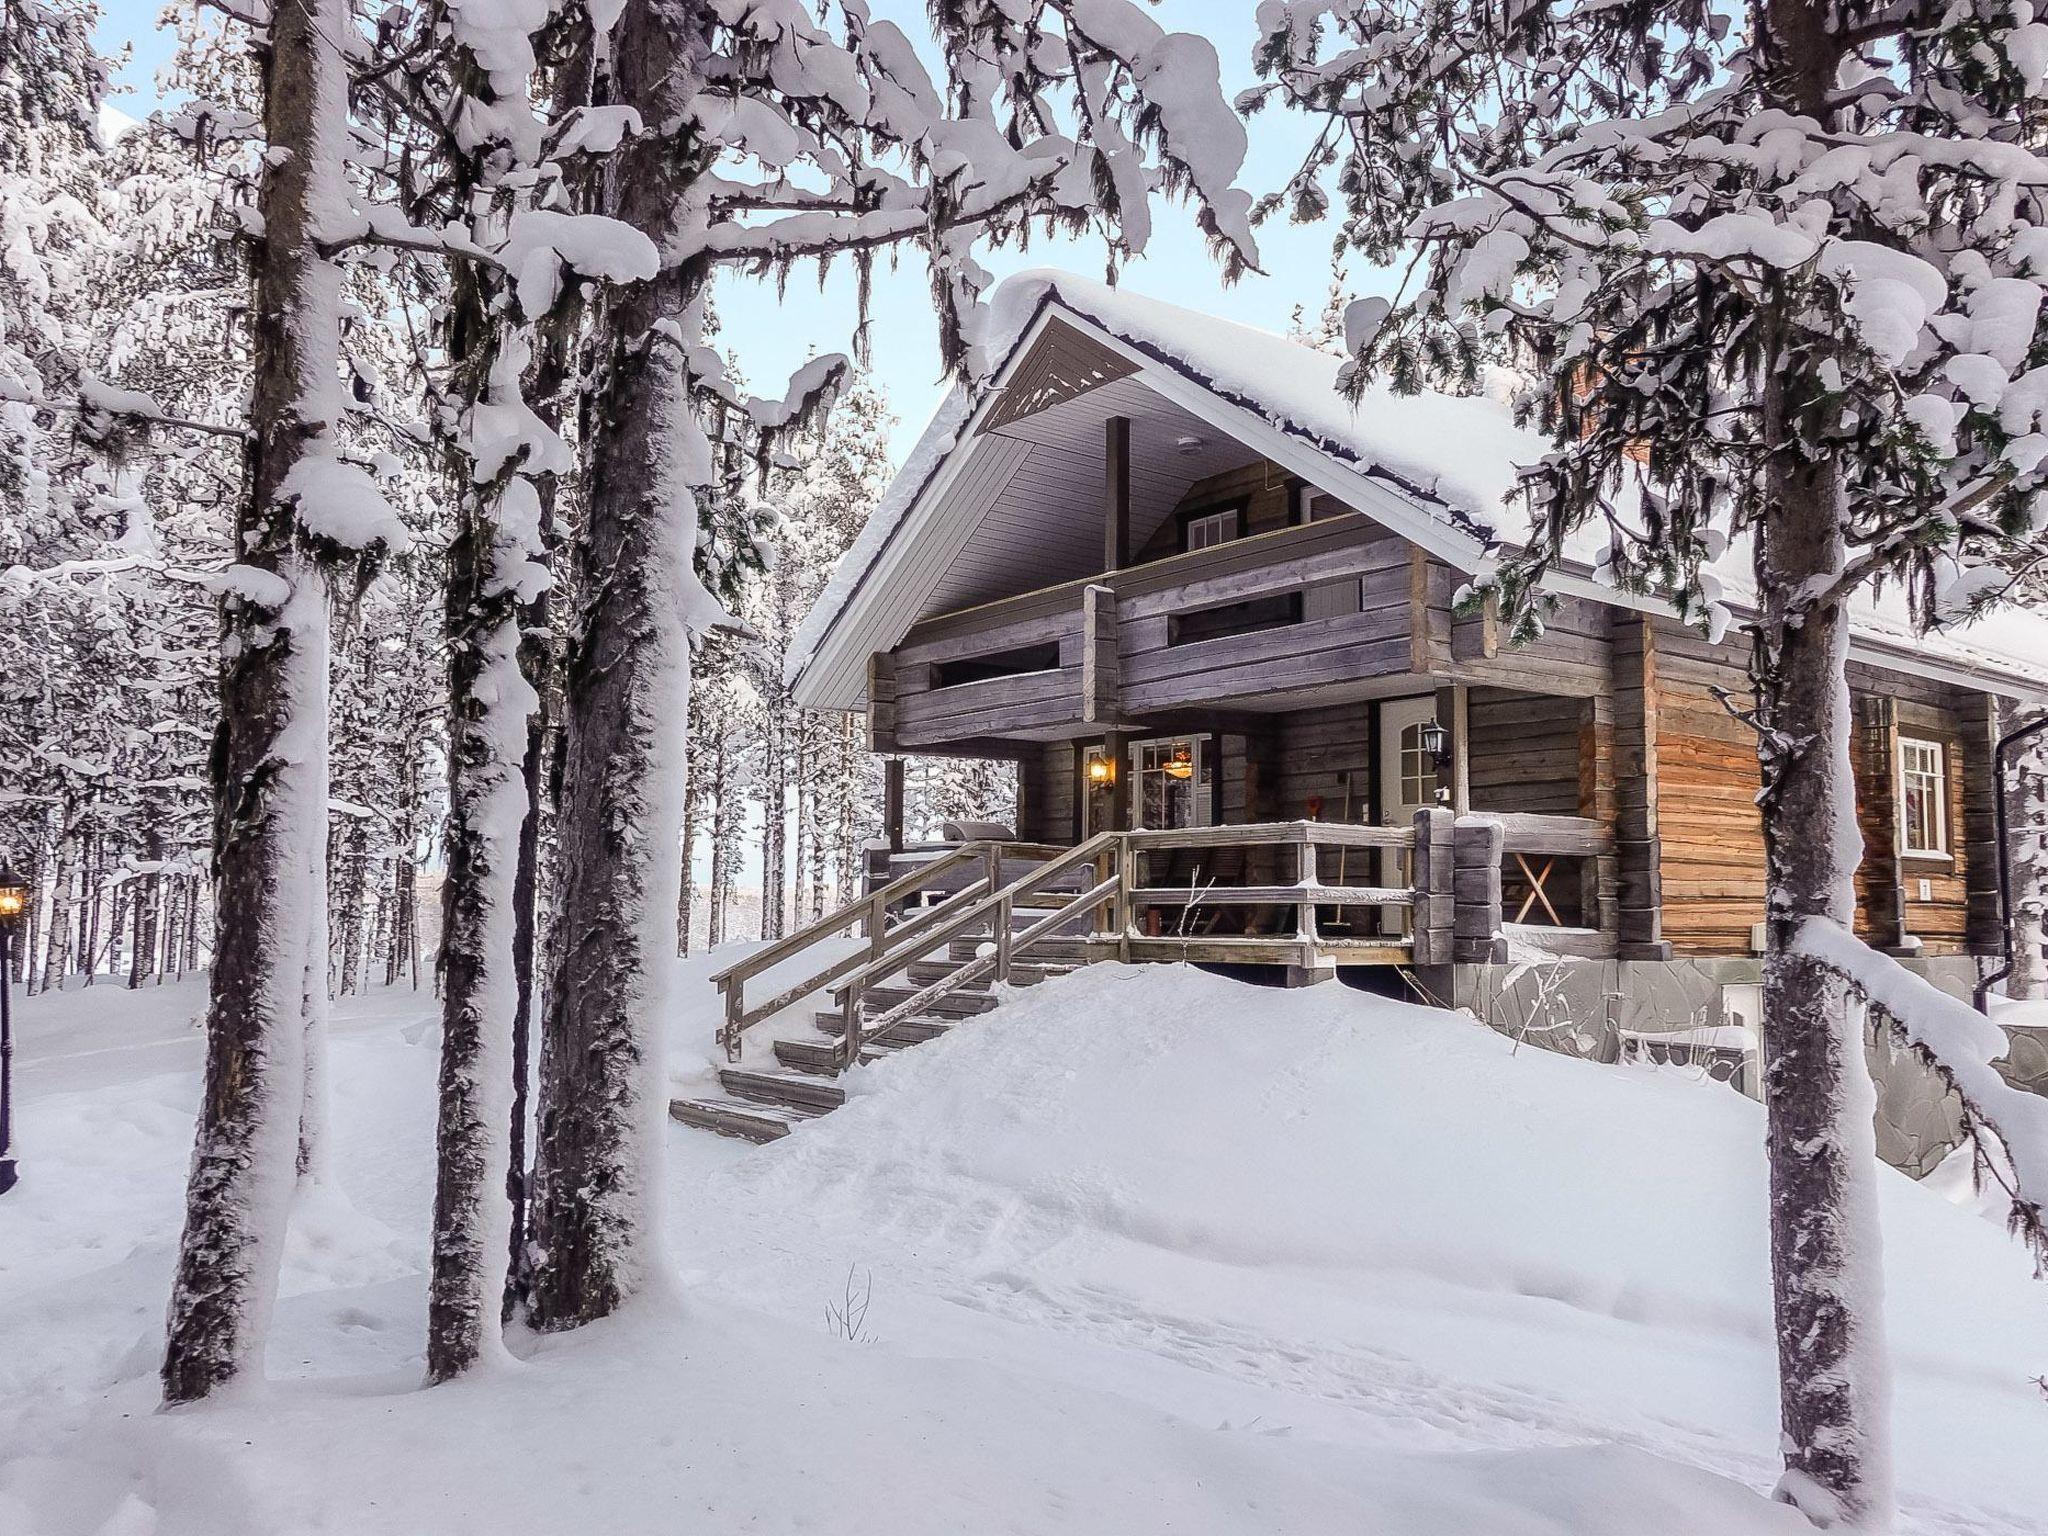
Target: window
[(1418, 768), (1173, 783), (1923, 798), (1210, 528)]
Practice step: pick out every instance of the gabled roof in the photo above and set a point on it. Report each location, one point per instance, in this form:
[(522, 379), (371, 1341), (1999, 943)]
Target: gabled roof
[(1437, 469)]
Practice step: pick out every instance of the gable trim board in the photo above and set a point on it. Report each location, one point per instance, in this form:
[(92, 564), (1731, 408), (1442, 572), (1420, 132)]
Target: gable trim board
[(882, 594)]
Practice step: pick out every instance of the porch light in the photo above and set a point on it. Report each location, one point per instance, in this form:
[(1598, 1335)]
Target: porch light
[(1181, 765), (1436, 741), (13, 893), (1102, 770)]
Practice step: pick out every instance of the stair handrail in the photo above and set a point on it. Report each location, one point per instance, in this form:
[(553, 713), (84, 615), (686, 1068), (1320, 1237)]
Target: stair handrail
[(871, 910), (1105, 848)]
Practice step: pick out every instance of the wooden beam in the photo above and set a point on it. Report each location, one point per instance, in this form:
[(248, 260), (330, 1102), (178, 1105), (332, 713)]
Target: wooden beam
[(1453, 714), (1418, 613), (1884, 876), (1116, 493), (1985, 719), (881, 702), (1101, 684), (892, 803), (1637, 850)]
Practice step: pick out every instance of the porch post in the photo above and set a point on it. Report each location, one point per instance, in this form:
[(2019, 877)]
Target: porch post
[(892, 802), (1638, 852), (1451, 714), (1116, 493)]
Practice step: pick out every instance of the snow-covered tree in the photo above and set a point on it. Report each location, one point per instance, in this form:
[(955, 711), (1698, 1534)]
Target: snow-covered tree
[(307, 516), (760, 136), (1775, 278)]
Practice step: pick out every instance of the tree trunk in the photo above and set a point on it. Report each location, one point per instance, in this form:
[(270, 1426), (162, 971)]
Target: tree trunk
[(625, 717), (774, 816), (489, 704), (686, 897), (57, 953), (536, 664), (1825, 1245), (721, 845), (269, 754), (2026, 851)]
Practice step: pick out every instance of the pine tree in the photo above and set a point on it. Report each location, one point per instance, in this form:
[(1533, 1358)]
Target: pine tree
[(762, 140), (305, 519), (1776, 279)]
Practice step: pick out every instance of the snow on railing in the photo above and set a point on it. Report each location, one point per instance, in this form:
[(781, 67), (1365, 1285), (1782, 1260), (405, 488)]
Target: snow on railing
[(1959, 1045)]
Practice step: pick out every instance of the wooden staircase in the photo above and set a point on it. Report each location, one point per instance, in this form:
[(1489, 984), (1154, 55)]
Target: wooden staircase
[(927, 975)]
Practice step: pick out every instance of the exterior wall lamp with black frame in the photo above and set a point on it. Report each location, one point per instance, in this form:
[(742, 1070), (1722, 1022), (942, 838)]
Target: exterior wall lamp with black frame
[(1436, 741), (13, 902)]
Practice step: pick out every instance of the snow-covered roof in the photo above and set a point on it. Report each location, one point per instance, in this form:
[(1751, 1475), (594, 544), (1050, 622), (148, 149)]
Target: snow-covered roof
[(1438, 469)]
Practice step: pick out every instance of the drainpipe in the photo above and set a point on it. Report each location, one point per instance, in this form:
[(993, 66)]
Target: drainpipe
[(2003, 853)]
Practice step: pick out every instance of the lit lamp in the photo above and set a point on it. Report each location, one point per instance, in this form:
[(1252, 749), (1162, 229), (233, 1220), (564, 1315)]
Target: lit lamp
[(13, 902), (1101, 769), (1436, 741), (1181, 765)]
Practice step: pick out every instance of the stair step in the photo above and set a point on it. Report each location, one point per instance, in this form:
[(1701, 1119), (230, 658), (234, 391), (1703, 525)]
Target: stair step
[(1058, 951), (822, 1056), (924, 972), (799, 1090), (734, 1117), (917, 1027), (953, 1005)]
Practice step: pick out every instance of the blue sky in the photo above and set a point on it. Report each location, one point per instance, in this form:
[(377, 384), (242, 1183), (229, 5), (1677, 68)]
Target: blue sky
[(773, 335)]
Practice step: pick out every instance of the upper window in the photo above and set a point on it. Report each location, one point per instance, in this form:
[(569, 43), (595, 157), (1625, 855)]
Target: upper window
[(1923, 797), (1211, 528)]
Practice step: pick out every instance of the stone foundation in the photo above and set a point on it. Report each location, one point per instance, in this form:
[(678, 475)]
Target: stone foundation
[(1700, 1017)]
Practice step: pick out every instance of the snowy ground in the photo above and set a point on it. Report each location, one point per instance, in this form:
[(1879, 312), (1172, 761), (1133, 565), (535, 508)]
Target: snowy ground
[(1146, 1251)]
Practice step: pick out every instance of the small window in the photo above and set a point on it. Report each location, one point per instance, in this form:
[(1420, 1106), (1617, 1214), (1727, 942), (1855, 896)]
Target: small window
[(1211, 528), (1174, 779), (1923, 798), (1418, 768)]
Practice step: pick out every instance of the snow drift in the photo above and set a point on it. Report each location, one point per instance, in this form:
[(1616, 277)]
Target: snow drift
[(1146, 1250)]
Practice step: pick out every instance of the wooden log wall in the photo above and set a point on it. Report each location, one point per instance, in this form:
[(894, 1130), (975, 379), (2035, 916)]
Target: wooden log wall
[(1263, 487), (1889, 883), (1712, 834), (1524, 752)]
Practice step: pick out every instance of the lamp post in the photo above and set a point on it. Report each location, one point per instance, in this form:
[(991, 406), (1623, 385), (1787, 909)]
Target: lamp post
[(13, 900)]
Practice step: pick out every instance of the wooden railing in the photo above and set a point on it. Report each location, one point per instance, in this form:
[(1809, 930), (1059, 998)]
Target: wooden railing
[(1451, 909), (1427, 921), (871, 914), (1104, 855)]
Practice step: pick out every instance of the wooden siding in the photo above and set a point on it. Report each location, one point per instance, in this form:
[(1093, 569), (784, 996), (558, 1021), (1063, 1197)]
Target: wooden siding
[(1524, 753), (1139, 608), (1262, 486), (1712, 833)]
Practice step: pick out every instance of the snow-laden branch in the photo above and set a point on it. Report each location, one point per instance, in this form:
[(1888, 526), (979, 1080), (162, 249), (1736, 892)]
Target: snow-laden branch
[(1960, 1045)]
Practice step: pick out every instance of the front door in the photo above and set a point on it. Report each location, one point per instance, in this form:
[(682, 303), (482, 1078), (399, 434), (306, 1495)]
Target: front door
[(1407, 777)]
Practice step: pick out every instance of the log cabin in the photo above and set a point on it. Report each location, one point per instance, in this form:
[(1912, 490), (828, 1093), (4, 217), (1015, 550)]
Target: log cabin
[(1213, 614)]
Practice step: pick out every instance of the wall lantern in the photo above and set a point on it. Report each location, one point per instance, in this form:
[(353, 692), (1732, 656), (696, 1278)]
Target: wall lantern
[(1101, 769), (1436, 741), (13, 893)]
